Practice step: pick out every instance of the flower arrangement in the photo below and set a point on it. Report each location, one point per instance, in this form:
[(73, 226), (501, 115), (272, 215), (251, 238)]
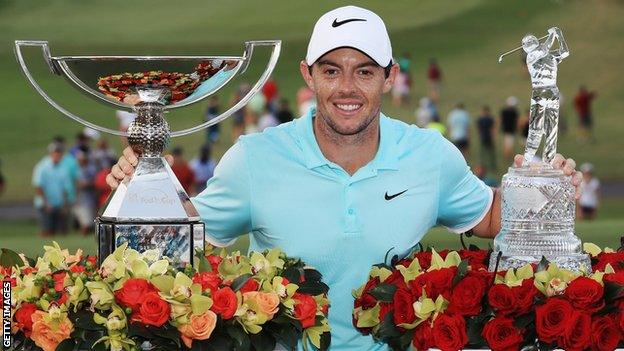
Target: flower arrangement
[(138, 301), (448, 300), (181, 85)]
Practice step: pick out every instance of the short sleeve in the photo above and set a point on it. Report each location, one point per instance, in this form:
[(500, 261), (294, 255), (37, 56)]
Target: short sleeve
[(36, 176), (464, 199), (224, 205)]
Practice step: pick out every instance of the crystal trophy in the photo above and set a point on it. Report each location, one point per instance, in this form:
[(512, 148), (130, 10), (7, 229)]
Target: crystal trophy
[(538, 207), (150, 209)]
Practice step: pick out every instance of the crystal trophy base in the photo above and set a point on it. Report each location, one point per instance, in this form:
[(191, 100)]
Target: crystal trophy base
[(538, 211), (151, 210)]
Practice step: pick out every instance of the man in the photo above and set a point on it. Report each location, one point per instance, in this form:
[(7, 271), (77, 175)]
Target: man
[(343, 184), (590, 193), (582, 105), (53, 191), (459, 127), (485, 126), (509, 125), (203, 168), (544, 119)]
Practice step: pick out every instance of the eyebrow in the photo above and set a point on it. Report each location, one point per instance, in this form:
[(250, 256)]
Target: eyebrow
[(363, 64)]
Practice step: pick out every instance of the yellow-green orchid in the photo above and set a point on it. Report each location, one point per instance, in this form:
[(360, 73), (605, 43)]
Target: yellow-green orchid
[(553, 280), (367, 318), (115, 321), (452, 260), (250, 316), (314, 333), (234, 266), (514, 277), (101, 295), (381, 273), (265, 267), (411, 272), (426, 308), (77, 293)]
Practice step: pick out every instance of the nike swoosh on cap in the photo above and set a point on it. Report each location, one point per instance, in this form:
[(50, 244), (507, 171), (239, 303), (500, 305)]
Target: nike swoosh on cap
[(337, 23)]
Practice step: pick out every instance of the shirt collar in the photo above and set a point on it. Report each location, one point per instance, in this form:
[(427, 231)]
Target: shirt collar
[(386, 157)]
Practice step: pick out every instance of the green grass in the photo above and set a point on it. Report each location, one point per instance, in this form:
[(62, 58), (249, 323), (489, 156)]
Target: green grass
[(606, 230), (465, 36)]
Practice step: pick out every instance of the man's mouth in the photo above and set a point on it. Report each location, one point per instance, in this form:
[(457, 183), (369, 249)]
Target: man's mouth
[(348, 107)]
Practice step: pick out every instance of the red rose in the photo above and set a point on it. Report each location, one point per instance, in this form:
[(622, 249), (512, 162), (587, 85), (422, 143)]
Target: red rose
[(501, 334), (384, 308), (250, 285), (224, 303), (214, 261), (366, 301), (449, 332), (467, 296), (153, 310), (63, 298), (58, 280), (605, 334), (551, 319), (403, 307), (502, 298), (23, 317), (616, 278), (77, 268), (396, 279), (612, 258), (133, 291), (477, 259), (585, 294), (577, 335), (207, 280), (423, 338), (92, 260), (436, 282), (370, 284), (524, 296), (424, 259), (305, 309), (29, 270)]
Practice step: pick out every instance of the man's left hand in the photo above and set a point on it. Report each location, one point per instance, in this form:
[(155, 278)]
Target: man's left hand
[(567, 165)]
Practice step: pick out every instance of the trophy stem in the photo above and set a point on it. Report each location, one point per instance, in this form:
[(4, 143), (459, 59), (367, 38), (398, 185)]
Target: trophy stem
[(149, 133)]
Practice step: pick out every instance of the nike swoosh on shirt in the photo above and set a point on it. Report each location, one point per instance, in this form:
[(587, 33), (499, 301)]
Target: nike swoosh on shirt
[(337, 23), (390, 197)]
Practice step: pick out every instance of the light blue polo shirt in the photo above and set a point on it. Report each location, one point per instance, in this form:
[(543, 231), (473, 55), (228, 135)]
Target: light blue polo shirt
[(278, 186)]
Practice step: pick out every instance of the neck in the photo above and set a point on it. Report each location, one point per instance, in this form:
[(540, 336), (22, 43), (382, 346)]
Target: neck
[(351, 152)]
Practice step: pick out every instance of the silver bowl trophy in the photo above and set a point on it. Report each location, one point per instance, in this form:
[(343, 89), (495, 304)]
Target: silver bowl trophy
[(150, 209), (538, 206)]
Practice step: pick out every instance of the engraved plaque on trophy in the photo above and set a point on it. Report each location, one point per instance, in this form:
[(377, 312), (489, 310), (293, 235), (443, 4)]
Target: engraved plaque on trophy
[(538, 206), (150, 209)]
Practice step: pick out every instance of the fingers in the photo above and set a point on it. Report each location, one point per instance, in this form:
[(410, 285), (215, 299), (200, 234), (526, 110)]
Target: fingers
[(569, 167), (130, 156), (112, 181), (558, 161), (169, 159), (518, 160), (577, 178), (125, 166), (117, 172)]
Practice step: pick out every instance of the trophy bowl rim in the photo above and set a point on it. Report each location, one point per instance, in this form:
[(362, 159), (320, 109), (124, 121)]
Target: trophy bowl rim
[(63, 69)]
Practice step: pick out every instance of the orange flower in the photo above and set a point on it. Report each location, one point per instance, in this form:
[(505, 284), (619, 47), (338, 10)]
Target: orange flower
[(199, 328), (268, 302), (48, 334)]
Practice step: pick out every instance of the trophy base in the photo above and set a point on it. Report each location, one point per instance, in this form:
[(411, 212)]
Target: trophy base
[(577, 262)]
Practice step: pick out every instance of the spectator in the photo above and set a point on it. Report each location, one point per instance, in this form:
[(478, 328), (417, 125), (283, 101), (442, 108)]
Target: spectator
[(267, 120), (82, 144), (401, 88), (2, 181), (103, 155), (238, 127), (182, 170), (68, 163), (212, 111), (125, 117), (270, 93), (459, 127), (425, 111), (582, 105), (482, 173), (590, 193), (509, 125), (203, 168), (102, 189), (284, 114), (84, 208), (437, 125), (523, 126), (485, 126), (53, 191), (305, 99), (434, 79)]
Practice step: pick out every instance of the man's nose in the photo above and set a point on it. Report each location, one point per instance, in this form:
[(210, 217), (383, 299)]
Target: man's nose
[(348, 84)]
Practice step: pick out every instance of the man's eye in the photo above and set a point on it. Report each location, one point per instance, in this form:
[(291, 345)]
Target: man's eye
[(331, 71), (365, 72)]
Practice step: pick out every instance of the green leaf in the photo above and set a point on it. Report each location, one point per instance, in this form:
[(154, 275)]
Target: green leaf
[(543, 264), (238, 334), (240, 281), (262, 341), (84, 320), (286, 334), (383, 292), (293, 274), (613, 291), (204, 265), (10, 258), (325, 341), (473, 247), (66, 345), (387, 329), (312, 275), (474, 326), (313, 288), (462, 269), (523, 321)]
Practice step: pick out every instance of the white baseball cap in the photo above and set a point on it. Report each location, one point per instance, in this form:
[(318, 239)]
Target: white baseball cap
[(353, 27)]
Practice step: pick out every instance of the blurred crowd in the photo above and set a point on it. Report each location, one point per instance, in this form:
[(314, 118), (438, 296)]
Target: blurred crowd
[(70, 182)]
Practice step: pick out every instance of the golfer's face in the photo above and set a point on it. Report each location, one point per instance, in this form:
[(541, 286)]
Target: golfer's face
[(348, 87)]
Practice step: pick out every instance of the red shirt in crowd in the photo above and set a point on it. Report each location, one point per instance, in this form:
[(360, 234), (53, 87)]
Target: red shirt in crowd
[(102, 189), (269, 90), (184, 174), (582, 102), (434, 73)]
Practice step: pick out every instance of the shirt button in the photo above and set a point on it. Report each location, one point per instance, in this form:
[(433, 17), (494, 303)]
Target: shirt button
[(351, 211)]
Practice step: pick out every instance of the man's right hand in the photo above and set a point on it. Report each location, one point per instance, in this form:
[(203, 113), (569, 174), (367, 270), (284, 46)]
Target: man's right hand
[(125, 167)]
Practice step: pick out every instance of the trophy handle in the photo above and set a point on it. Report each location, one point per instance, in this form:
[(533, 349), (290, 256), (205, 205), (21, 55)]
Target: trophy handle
[(249, 46), (46, 56)]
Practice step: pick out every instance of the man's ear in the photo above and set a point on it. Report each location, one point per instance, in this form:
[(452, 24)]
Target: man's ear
[(305, 73), (394, 70)]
